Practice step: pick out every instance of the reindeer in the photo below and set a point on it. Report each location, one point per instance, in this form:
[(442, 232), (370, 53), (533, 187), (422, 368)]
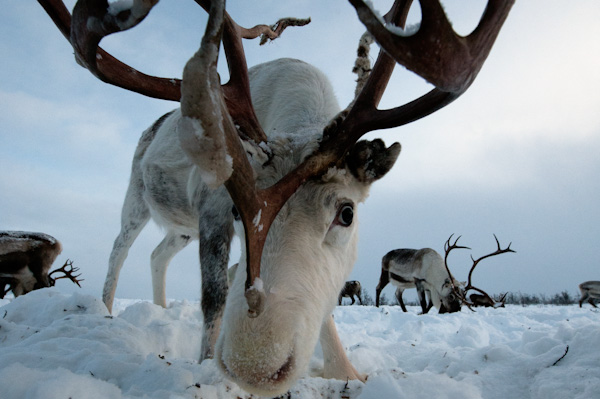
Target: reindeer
[(590, 291), (483, 298), (424, 270), (350, 290), (25, 261), (270, 154), (487, 302)]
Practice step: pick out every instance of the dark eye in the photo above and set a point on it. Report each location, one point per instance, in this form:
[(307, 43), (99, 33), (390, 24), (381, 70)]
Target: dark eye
[(235, 213), (345, 215)]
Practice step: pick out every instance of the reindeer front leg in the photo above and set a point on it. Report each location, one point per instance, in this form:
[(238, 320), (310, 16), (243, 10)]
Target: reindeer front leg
[(337, 364), (215, 239)]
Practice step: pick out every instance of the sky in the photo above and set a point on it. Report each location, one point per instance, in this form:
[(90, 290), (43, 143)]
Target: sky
[(515, 156)]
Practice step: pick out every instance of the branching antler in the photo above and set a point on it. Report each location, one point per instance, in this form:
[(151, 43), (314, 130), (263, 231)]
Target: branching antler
[(462, 293), (68, 270)]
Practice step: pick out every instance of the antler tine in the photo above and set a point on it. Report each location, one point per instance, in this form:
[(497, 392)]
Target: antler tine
[(93, 20), (237, 90)]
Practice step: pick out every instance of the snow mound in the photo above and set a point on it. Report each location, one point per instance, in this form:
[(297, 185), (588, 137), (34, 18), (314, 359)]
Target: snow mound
[(54, 345)]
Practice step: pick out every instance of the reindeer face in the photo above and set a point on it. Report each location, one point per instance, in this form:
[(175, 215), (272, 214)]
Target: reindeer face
[(450, 301), (309, 253)]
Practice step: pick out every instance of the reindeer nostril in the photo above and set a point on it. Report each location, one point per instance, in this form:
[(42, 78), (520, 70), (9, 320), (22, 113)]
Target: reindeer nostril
[(283, 371)]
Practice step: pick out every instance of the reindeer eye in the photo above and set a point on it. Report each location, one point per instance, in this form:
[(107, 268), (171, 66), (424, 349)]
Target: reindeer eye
[(235, 213), (345, 215)]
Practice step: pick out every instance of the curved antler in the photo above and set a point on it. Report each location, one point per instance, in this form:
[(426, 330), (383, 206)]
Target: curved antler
[(462, 294), (436, 52)]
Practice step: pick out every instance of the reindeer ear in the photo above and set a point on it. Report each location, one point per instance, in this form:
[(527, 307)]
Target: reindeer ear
[(371, 160)]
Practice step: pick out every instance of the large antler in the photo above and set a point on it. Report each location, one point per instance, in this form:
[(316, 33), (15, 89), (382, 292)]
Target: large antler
[(462, 293), (435, 52), (68, 271)]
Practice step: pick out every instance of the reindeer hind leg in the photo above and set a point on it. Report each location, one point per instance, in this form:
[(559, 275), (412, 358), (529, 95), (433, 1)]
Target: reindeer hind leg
[(161, 257), (134, 217)]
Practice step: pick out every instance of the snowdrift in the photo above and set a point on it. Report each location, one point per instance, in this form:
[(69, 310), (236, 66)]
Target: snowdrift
[(54, 345)]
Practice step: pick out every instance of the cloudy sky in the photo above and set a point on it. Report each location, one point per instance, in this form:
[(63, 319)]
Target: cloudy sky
[(516, 156)]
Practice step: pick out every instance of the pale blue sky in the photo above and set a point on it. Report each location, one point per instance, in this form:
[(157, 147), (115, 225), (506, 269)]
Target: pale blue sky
[(517, 155)]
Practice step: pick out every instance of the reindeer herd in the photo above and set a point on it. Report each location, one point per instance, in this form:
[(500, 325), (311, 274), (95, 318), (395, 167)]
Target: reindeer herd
[(271, 157)]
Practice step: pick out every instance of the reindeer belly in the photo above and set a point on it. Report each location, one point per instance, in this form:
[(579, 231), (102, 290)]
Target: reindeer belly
[(165, 193), (401, 281)]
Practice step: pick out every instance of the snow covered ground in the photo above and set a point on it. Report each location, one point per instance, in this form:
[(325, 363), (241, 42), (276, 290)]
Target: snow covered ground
[(54, 345)]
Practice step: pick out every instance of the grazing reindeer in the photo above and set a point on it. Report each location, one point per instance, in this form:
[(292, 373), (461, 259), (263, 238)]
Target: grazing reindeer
[(350, 290), (295, 188), (25, 261), (486, 301), (590, 291), (483, 298), (423, 269)]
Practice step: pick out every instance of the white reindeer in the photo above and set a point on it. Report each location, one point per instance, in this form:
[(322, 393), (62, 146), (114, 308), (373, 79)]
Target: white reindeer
[(590, 291), (424, 270), (295, 188)]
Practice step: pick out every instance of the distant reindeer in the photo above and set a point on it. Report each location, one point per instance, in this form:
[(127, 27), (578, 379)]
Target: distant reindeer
[(350, 290), (25, 261), (482, 300), (274, 142), (423, 269), (590, 291)]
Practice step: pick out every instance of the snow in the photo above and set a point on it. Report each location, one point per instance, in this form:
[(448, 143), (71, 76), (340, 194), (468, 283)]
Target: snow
[(117, 6), (258, 285), (54, 345), (256, 220)]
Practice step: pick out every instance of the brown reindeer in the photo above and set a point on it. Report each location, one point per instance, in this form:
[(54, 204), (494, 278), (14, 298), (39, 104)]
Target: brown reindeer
[(351, 289), (25, 261)]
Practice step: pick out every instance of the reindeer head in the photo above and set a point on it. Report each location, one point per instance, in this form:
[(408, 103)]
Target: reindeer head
[(308, 255), (450, 297), (292, 274)]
